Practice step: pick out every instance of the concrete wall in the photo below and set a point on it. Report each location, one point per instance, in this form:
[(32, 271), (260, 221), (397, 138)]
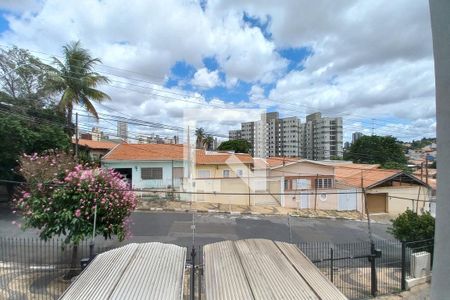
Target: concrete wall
[(302, 168), (398, 205)]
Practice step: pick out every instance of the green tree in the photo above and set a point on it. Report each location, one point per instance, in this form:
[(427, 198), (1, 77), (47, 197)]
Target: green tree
[(28, 133), (238, 146), (383, 150), (208, 142), (29, 122), (200, 136), (76, 81), (73, 201), (22, 76), (409, 226)]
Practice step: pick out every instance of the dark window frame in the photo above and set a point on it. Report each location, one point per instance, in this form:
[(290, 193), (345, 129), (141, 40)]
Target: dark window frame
[(153, 173)]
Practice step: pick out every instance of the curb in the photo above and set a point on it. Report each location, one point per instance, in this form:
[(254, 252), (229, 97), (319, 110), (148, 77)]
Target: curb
[(237, 213)]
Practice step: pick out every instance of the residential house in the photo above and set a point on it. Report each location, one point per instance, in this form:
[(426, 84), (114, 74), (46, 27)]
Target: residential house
[(304, 184), (386, 191), (169, 166), (148, 165), (94, 149)]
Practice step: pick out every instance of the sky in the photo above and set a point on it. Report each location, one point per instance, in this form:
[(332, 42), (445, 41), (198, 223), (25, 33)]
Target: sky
[(369, 62)]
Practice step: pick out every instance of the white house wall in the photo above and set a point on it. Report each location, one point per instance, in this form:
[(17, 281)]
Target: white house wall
[(136, 166)]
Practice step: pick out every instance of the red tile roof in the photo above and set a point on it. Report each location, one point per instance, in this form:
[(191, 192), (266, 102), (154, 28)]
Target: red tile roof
[(152, 152), (350, 174), (95, 144)]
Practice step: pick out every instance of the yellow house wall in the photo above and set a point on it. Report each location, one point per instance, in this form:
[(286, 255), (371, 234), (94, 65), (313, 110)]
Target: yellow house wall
[(216, 171)]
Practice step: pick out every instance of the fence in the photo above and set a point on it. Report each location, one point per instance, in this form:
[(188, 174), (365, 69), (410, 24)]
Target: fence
[(34, 269), (349, 266)]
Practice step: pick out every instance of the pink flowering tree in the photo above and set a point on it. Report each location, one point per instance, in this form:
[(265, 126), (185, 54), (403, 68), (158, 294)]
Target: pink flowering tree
[(65, 202)]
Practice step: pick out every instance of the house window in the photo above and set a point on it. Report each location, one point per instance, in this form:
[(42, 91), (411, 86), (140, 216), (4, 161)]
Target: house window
[(151, 173), (204, 174), (178, 172), (226, 173), (239, 173), (324, 183), (286, 184)]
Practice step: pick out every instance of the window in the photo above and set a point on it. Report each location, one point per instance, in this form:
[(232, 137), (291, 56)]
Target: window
[(324, 183), (226, 173), (203, 174), (286, 184), (239, 173), (178, 172), (151, 173)]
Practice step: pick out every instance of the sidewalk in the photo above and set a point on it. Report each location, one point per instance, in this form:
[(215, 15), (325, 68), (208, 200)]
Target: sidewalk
[(204, 207), (420, 292)]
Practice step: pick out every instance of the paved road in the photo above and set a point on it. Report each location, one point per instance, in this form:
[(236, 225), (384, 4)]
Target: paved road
[(176, 228), (171, 227)]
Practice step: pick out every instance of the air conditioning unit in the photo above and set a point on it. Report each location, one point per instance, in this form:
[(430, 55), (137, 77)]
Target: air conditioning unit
[(420, 264)]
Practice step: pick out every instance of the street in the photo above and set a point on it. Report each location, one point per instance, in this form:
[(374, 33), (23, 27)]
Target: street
[(174, 227)]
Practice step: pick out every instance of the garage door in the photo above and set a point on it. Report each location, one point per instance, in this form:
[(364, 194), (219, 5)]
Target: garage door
[(376, 203)]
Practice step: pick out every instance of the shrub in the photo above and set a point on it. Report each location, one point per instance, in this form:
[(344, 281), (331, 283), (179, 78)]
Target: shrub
[(409, 226), (60, 200)]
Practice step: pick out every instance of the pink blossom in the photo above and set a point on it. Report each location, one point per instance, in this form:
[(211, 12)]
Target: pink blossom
[(77, 213)]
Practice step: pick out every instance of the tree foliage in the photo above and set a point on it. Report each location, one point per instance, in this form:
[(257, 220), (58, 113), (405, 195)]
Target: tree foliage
[(75, 80), (409, 226), (383, 150), (23, 76), (25, 133), (238, 146), (61, 199), (28, 120)]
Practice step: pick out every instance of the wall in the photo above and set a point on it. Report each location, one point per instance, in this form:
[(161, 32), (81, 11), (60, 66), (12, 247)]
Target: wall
[(398, 205), (136, 166), (302, 168), (216, 171)]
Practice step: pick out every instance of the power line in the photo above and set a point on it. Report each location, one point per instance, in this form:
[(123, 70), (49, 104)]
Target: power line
[(172, 92)]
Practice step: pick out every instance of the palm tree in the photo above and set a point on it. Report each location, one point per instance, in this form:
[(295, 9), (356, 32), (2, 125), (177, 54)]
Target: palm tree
[(208, 142), (201, 135), (76, 80)]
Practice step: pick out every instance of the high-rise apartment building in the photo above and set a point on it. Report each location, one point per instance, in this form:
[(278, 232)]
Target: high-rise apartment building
[(318, 138), (234, 135), (356, 136), (122, 130)]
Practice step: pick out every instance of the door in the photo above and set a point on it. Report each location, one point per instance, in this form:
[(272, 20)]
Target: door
[(376, 203), (347, 200), (304, 201)]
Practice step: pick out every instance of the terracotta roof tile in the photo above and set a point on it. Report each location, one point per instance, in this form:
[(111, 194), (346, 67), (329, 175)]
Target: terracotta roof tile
[(95, 144), (172, 152), (351, 174)]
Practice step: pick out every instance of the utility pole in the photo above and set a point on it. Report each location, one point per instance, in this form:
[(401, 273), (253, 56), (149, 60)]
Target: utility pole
[(315, 191), (373, 251), (76, 137), (426, 169)]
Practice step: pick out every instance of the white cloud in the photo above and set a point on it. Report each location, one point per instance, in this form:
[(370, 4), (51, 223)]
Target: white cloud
[(370, 59), (205, 79)]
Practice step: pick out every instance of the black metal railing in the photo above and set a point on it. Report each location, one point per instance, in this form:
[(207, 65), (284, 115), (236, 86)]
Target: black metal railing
[(361, 269), (31, 268), (34, 269)]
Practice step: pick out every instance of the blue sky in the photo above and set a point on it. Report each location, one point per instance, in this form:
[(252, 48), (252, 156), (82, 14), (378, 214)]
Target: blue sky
[(295, 58)]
